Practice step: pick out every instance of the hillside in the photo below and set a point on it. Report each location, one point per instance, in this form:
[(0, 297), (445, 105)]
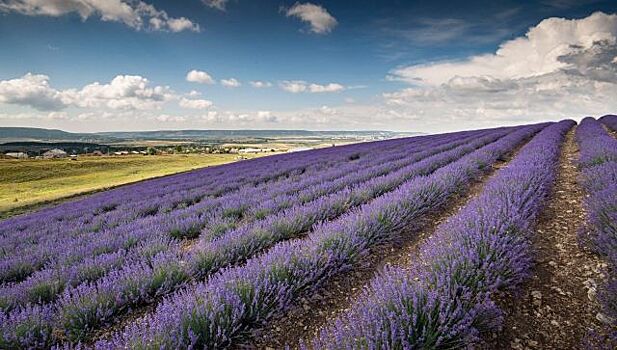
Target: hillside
[(492, 238), (18, 134)]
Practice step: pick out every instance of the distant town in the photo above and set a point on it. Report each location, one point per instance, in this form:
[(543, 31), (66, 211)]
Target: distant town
[(37, 143)]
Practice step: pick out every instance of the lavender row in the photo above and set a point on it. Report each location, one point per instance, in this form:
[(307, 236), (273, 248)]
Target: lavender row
[(610, 121), (250, 172), (247, 211), (445, 300), (24, 262), (133, 210), (88, 306), (244, 207), (598, 163), (112, 212), (238, 245), (116, 239), (45, 284), (229, 305)]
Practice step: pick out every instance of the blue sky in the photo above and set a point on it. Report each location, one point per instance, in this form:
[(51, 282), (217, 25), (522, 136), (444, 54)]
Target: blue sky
[(367, 53)]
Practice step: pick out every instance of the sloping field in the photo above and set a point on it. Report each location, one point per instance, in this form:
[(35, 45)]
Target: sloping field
[(28, 183), (422, 242)]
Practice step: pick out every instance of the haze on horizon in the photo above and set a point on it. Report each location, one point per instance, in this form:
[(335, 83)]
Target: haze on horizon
[(102, 65)]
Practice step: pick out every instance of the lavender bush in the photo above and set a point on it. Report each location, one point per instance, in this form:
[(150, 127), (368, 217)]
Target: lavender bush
[(598, 163), (444, 300)]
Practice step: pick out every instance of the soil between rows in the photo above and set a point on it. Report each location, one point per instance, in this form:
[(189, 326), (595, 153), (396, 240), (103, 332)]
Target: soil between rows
[(556, 308), (310, 314)]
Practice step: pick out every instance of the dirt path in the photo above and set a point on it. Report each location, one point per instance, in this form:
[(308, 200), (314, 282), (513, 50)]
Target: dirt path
[(557, 307), (303, 321)]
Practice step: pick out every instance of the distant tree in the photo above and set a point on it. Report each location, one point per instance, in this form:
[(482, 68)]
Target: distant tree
[(151, 151), (178, 148)]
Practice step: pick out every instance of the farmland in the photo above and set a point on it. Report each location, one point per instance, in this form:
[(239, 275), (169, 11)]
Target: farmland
[(26, 183), (437, 241)]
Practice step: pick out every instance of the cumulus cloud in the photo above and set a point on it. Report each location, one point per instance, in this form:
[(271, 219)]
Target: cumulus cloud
[(298, 86), (560, 68), (230, 83), (320, 20), (123, 92), (195, 103), (201, 77), (260, 84), (540, 51), (135, 14), (32, 90)]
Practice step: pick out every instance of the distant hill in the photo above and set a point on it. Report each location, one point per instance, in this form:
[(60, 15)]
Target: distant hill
[(18, 134), (258, 134), (25, 134)]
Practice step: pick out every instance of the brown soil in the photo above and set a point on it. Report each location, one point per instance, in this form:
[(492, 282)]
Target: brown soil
[(312, 312), (556, 308)]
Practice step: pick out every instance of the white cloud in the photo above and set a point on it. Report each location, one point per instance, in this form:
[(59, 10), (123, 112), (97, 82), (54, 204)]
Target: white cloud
[(135, 14), (331, 87), (230, 83), (166, 118), (123, 92), (216, 4), (58, 115), (239, 118), (194, 93), (320, 20), (295, 87), (180, 24), (560, 69), (31, 90), (538, 52), (298, 86), (260, 84), (266, 116), (195, 103), (201, 77)]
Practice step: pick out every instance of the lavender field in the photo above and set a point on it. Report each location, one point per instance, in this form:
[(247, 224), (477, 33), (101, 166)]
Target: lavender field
[(427, 242)]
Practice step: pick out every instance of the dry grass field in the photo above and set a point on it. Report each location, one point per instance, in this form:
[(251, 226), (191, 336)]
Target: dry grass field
[(25, 184)]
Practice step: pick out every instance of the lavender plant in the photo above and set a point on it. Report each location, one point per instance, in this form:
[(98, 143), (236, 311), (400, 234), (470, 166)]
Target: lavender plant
[(598, 164), (445, 299)]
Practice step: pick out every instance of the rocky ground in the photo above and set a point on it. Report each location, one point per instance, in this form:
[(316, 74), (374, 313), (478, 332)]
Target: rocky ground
[(557, 308)]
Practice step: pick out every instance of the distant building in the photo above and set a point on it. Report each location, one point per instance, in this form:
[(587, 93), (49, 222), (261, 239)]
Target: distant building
[(55, 153), (250, 150), (17, 155), (299, 149), (97, 153)]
